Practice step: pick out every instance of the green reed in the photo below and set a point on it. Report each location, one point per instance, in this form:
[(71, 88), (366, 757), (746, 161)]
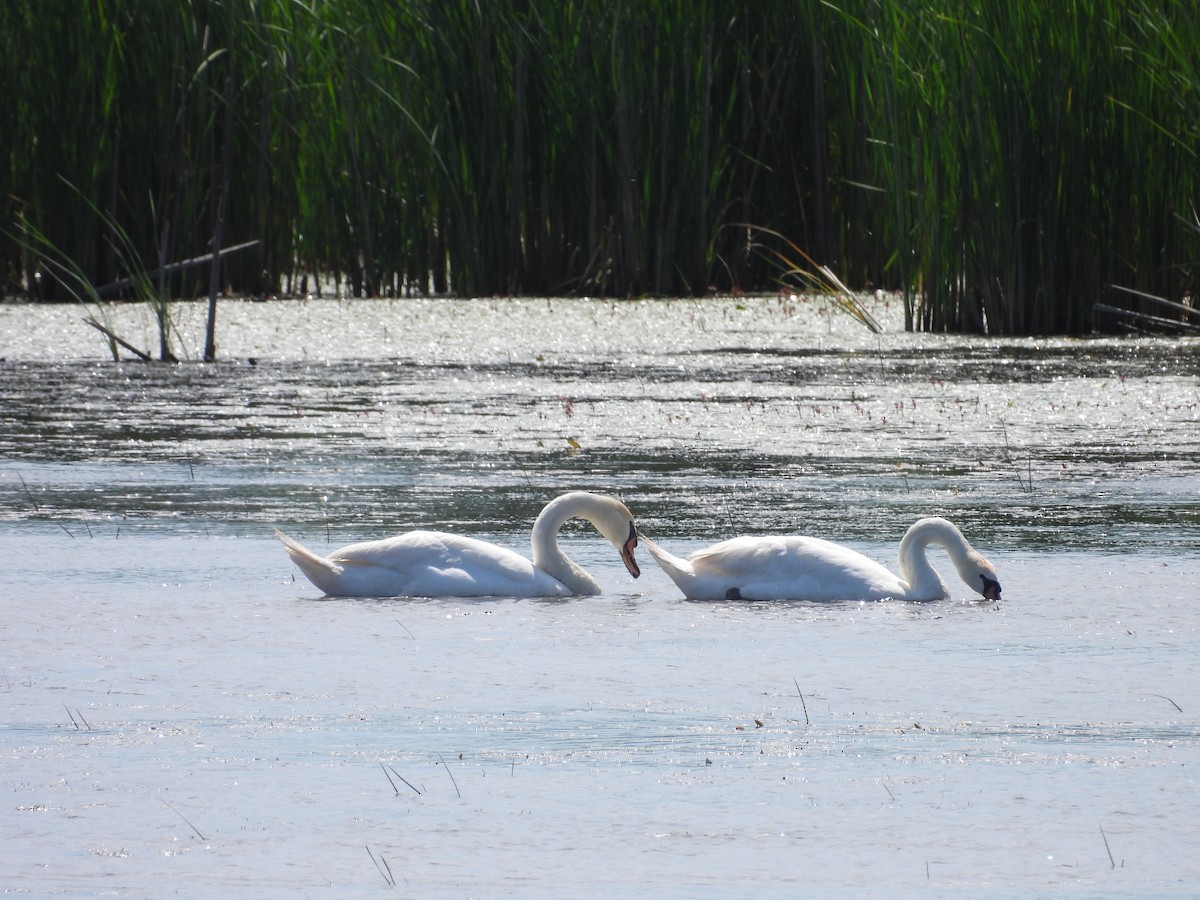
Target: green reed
[(1004, 165), (1042, 156)]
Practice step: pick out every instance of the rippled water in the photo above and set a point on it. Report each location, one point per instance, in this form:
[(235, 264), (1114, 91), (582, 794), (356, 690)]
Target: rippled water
[(181, 716)]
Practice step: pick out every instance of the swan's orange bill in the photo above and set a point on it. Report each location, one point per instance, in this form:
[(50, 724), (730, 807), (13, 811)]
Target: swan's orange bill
[(627, 552)]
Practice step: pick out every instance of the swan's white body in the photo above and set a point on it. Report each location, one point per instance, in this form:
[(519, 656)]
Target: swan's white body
[(434, 564), (805, 568)]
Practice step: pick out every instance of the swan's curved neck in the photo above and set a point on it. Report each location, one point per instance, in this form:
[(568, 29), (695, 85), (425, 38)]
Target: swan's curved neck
[(915, 569), (548, 556)]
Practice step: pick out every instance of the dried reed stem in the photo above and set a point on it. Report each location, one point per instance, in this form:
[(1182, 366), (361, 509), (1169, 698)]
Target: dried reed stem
[(451, 774)]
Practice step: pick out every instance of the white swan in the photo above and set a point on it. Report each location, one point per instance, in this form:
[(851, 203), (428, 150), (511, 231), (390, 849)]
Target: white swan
[(805, 568), (434, 564)]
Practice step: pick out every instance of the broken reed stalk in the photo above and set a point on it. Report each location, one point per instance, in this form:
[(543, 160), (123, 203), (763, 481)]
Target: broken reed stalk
[(803, 705), (118, 286), (389, 778), (73, 719), (1146, 318), (1108, 849), (1169, 700), (405, 627), (451, 774), (1026, 486), (385, 870), (389, 771), (112, 336), (29, 493), (1182, 323), (182, 816)]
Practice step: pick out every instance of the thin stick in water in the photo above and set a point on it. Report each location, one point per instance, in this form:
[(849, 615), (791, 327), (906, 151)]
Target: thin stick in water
[(1112, 861), (1169, 700), (387, 876), (802, 703), (107, 332), (389, 869), (186, 822), (29, 493), (387, 769), (389, 778), (451, 774)]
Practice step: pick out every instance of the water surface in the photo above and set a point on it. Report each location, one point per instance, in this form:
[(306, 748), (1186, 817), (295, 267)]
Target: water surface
[(183, 714)]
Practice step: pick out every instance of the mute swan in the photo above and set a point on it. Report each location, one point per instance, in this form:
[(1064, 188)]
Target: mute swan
[(805, 568), (434, 564)]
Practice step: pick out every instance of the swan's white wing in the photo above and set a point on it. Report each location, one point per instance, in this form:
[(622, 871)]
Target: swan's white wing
[(791, 568), (434, 564)]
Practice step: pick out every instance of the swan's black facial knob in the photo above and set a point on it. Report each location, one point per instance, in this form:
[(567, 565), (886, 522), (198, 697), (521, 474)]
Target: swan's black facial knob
[(991, 588)]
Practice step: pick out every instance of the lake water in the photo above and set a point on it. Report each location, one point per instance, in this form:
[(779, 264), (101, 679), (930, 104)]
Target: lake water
[(183, 715)]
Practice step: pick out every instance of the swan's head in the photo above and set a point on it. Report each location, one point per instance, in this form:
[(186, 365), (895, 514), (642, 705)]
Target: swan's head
[(980, 575), (616, 523)]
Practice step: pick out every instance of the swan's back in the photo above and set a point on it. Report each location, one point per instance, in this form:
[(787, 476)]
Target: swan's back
[(793, 568), (425, 564)]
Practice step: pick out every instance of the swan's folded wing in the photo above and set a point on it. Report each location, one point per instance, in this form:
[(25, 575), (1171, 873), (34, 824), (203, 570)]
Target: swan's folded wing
[(435, 564), (793, 568), (739, 558)]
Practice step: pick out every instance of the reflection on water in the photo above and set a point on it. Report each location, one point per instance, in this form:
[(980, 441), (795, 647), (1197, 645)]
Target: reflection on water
[(709, 417)]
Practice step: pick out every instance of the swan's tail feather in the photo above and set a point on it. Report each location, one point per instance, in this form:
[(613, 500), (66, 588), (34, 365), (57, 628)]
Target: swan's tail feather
[(320, 571), (679, 570)]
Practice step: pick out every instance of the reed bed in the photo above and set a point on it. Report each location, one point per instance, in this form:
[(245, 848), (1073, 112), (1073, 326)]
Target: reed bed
[(1006, 166)]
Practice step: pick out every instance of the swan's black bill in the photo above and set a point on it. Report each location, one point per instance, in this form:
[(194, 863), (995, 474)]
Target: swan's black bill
[(627, 552), (991, 588)]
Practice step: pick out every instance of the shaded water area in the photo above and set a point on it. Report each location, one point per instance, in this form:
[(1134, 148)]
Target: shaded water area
[(180, 714)]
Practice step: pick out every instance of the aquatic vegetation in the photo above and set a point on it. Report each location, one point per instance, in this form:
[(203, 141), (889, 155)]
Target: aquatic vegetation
[(1004, 167)]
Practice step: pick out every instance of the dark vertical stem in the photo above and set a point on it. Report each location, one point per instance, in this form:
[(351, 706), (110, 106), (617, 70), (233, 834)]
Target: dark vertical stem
[(368, 279), (628, 277), (214, 278), (517, 273), (162, 301)]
